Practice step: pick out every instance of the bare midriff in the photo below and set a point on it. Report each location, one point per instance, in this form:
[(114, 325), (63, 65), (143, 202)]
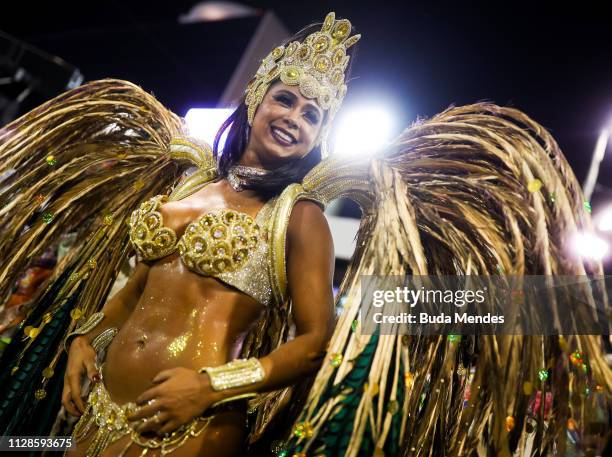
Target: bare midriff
[(182, 319)]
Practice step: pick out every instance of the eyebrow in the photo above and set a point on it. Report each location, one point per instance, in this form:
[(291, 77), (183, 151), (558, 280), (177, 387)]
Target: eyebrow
[(312, 105)]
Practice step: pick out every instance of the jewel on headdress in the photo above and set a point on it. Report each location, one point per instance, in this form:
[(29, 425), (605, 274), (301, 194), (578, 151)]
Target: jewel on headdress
[(316, 66)]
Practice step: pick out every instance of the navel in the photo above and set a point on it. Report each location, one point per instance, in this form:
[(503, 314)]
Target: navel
[(142, 341)]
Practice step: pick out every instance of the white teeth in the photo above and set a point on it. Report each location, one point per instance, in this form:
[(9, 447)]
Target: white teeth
[(283, 136)]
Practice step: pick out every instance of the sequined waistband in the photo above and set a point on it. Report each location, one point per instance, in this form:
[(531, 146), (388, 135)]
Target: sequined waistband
[(108, 413), (112, 423)]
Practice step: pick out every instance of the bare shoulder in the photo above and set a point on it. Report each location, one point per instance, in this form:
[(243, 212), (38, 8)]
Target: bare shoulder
[(307, 216), (308, 228)]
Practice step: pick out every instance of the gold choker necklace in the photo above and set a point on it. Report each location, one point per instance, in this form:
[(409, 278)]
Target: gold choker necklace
[(239, 175)]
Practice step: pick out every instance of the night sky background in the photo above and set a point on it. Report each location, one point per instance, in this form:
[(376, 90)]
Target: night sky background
[(552, 61)]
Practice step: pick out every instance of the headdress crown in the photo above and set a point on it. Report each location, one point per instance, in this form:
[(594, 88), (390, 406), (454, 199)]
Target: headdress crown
[(316, 65)]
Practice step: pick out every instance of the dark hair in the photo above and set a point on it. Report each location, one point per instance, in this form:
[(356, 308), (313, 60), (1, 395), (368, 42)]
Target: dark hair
[(238, 137)]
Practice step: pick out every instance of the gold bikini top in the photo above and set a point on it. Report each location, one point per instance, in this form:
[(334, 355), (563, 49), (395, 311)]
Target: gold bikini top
[(226, 244)]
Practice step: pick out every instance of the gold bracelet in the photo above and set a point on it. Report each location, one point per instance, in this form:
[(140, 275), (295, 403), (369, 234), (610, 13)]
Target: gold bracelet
[(101, 341), (239, 372), (87, 326)]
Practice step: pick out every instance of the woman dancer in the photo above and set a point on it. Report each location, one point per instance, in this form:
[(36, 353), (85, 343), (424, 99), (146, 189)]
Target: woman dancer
[(460, 194)]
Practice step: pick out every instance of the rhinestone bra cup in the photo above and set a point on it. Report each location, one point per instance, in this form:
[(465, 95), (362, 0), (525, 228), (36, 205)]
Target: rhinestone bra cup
[(220, 243)]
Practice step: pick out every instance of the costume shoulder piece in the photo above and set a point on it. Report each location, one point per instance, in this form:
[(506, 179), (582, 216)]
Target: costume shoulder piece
[(329, 180)]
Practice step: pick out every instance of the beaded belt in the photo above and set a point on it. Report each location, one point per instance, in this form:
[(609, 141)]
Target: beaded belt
[(112, 423)]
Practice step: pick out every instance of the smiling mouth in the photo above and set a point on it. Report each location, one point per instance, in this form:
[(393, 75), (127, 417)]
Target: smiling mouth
[(282, 136)]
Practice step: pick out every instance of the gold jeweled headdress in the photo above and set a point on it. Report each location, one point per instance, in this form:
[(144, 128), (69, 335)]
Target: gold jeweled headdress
[(316, 65)]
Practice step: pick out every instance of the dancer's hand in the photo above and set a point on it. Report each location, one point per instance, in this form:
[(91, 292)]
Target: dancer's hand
[(81, 361), (179, 395)]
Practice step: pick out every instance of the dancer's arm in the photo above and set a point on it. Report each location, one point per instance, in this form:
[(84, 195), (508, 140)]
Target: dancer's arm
[(310, 271), (82, 356)]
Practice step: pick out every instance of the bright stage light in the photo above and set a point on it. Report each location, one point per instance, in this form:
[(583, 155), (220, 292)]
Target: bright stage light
[(589, 246), (216, 11), (204, 123), (362, 130), (604, 220)]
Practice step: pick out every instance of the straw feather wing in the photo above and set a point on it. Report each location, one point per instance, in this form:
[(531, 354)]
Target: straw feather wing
[(453, 195)]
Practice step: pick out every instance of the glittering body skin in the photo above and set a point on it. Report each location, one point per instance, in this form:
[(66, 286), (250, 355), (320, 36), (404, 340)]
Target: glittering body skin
[(183, 319)]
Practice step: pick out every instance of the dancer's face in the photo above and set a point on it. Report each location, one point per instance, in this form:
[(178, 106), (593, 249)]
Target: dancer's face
[(286, 124)]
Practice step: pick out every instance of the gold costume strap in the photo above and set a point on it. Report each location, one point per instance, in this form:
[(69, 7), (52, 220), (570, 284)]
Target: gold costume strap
[(279, 221), (234, 398), (331, 179)]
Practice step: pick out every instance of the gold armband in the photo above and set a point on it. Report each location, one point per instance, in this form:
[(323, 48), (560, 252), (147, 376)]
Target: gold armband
[(237, 373), (101, 341), (87, 326)]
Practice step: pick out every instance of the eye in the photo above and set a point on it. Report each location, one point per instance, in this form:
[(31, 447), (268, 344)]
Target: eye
[(283, 99), (312, 117)]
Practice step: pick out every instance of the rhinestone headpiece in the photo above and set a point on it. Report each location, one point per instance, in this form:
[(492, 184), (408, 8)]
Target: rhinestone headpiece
[(316, 65)]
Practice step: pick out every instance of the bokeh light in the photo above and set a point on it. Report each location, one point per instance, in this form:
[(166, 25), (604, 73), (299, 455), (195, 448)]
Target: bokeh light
[(204, 123), (589, 246), (362, 130)]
